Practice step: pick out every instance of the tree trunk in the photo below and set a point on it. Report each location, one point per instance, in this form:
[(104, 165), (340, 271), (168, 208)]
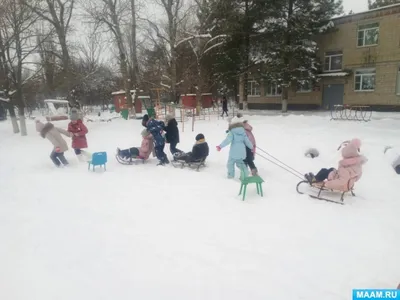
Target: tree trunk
[(287, 60), (6, 74), (13, 118), (19, 93), (116, 29), (135, 65), (246, 54), (22, 120)]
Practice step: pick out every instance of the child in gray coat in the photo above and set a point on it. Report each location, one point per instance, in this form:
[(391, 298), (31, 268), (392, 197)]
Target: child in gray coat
[(53, 134)]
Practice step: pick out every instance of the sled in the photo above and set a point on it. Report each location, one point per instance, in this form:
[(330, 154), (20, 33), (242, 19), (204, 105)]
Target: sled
[(320, 187), (193, 164), (131, 161)]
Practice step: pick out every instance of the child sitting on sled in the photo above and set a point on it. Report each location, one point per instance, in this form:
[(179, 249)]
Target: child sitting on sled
[(143, 152), (348, 172), (200, 151)]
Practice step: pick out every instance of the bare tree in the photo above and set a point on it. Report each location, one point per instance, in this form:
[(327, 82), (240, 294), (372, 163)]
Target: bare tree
[(58, 13), (17, 28), (167, 38), (112, 14), (133, 47), (49, 63)]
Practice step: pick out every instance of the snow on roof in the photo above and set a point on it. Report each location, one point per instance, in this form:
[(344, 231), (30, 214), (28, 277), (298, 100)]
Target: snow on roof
[(367, 11), (120, 92), (55, 101), (336, 74)]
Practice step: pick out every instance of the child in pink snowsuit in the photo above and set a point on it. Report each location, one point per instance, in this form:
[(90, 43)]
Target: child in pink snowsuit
[(348, 172)]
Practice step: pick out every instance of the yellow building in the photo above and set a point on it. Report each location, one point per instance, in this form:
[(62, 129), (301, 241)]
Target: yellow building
[(361, 66)]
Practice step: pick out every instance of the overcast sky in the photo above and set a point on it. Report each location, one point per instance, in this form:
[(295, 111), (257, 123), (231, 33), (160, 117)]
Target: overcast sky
[(355, 5)]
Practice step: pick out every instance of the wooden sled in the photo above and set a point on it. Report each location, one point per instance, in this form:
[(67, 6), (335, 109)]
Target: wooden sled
[(194, 164), (320, 186)]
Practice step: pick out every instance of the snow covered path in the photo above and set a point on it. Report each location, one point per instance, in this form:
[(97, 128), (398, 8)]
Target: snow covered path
[(148, 232)]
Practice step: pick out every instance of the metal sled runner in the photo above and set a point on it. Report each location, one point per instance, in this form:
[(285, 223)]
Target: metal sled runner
[(194, 164), (131, 161), (320, 187)]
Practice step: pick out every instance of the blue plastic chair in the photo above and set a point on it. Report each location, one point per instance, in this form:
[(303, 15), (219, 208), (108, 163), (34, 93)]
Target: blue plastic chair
[(98, 159)]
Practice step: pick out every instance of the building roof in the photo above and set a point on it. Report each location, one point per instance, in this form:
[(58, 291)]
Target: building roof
[(367, 11)]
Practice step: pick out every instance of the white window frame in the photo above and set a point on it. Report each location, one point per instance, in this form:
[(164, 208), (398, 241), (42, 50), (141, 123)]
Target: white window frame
[(330, 57), (371, 73), (250, 91), (398, 81), (364, 35), (274, 87)]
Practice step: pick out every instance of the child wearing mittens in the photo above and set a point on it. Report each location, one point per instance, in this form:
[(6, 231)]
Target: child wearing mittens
[(238, 139)]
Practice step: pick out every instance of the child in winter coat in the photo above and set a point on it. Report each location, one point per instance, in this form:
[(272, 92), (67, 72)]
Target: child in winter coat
[(238, 139), (249, 160), (156, 128), (143, 152), (172, 134), (348, 172), (200, 151), (78, 131), (53, 134)]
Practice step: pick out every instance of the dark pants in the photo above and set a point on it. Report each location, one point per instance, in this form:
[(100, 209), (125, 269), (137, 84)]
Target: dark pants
[(159, 149), (77, 151), (128, 153), (249, 161), (58, 158), (173, 149), (397, 169), (186, 157), (224, 111), (323, 174)]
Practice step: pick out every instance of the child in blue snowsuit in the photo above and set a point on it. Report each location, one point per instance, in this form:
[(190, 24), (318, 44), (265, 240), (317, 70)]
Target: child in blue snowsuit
[(238, 139), (156, 128)]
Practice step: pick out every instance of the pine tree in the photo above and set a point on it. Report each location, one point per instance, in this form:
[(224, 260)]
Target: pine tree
[(289, 56), (381, 3), (240, 20)]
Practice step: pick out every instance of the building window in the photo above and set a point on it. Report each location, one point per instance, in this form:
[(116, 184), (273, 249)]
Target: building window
[(364, 80), (304, 86), (253, 88), (272, 89), (333, 61), (368, 35), (398, 82)]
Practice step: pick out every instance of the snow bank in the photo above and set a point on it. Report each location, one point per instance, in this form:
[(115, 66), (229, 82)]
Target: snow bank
[(148, 232)]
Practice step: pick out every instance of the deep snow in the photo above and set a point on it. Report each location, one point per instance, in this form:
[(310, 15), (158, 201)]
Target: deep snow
[(151, 232)]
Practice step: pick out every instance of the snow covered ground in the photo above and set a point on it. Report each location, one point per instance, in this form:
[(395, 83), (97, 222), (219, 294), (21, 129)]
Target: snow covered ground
[(151, 232)]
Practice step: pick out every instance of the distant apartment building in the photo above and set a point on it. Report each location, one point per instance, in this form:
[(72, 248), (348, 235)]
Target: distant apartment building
[(361, 66)]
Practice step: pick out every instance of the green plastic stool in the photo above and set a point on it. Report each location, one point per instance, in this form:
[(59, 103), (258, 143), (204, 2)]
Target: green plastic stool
[(249, 180), (151, 112)]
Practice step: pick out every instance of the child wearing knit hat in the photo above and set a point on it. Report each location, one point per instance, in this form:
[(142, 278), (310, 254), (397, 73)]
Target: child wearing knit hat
[(78, 132), (142, 152), (199, 151)]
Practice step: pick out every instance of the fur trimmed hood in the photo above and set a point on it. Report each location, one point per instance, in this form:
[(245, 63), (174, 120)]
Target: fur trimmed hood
[(43, 129), (235, 125)]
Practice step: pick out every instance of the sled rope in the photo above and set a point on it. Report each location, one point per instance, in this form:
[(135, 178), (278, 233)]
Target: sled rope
[(281, 164)]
